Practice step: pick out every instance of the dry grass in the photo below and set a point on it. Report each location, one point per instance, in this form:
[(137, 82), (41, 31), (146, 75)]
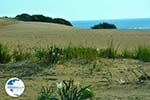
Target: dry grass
[(6, 21), (31, 34)]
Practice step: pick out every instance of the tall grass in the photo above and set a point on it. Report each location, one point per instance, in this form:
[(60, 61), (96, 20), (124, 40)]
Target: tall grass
[(80, 53), (127, 53), (20, 54), (5, 55), (39, 54), (110, 51), (143, 53), (50, 56), (53, 54)]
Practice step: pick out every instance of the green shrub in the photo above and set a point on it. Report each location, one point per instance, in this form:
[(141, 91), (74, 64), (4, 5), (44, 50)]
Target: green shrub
[(143, 54), (5, 56), (104, 26), (42, 18)]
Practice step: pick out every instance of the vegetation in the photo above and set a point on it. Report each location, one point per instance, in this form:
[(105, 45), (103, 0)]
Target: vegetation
[(143, 54), (5, 56), (66, 90), (53, 54), (104, 26), (7, 21), (111, 78), (41, 18)]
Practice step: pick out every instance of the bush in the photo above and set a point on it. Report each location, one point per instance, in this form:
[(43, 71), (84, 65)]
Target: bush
[(41, 18), (24, 17), (61, 21), (104, 26), (5, 56)]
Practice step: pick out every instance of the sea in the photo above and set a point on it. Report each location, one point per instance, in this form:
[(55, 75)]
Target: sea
[(141, 23)]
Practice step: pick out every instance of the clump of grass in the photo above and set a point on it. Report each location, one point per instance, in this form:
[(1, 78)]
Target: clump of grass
[(80, 53), (110, 51), (54, 54), (39, 54), (46, 94), (50, 56), (19, 54), (5, 56), (142, 53), (127, 54)]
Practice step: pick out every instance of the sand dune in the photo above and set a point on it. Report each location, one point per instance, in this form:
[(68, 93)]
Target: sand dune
[(31, 34)]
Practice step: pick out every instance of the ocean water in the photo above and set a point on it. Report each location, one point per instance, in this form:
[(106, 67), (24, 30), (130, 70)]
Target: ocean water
[(143, 23)]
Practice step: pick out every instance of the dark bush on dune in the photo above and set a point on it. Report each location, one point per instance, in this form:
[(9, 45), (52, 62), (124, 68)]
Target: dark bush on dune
[(41, 18), (61, 21), (24, 17), (104, 26)]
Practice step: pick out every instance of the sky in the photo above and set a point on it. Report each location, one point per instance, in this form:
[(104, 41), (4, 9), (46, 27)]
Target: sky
[(78, 9)]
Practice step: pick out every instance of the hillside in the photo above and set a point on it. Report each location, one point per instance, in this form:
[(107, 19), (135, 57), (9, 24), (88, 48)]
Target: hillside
[(31, 34)]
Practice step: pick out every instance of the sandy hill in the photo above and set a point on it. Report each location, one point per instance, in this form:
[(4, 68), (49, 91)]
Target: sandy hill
[(42, 34)]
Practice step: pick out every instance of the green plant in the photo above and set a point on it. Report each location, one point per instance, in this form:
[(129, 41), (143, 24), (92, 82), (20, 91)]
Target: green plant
[(104, 26), (68, 53), (69, 90), (40, 54), (19, 54), (127, 54), (143, 54), (53, 55), (5, 56), (92, 68), (46, 94), (110, 51), (80, 53), (66, 90)]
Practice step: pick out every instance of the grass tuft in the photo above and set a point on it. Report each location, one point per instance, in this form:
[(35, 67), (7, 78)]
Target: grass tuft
[(5, 56), (142, 53)]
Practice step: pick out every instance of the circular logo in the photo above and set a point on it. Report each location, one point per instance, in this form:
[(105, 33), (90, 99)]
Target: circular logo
[(14, 87)]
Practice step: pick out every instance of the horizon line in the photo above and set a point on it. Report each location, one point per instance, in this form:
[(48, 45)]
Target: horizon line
[(86, 19)]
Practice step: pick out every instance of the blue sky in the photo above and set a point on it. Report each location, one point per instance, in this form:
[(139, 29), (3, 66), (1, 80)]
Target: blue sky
[(78, 9)]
